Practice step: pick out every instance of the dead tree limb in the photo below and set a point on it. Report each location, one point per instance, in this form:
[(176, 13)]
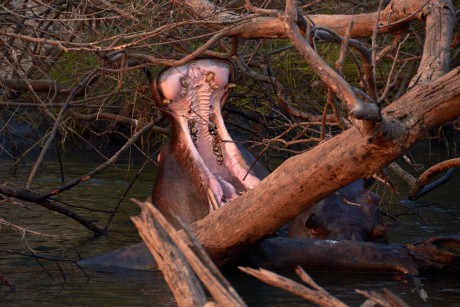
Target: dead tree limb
[(103, 166), (440, 21), (317, 296), (395, 15), (162, 240), (13, 190), (387, 298), (181, 280), (436, 254), (356, 108), (299, 181), (57, 123)]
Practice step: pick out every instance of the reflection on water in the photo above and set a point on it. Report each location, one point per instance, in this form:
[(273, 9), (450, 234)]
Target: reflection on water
[(64, 284)]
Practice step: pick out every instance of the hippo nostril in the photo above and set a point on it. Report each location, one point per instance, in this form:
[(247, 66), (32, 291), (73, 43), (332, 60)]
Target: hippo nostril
[(312, 222)]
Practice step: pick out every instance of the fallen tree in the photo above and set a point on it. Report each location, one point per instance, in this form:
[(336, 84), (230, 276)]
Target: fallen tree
[(370, 144), (358, 152), (304, 179)]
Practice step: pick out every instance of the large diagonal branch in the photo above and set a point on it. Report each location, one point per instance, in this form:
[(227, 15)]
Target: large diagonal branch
[(309, 177)]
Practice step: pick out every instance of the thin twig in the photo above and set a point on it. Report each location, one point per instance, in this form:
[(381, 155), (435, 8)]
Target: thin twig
[(57, 123)]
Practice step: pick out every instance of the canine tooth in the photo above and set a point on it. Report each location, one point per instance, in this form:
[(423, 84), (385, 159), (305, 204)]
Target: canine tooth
[(209, 76), (230, 85)]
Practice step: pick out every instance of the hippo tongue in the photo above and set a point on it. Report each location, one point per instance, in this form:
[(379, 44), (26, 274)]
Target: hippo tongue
[(193, 97)]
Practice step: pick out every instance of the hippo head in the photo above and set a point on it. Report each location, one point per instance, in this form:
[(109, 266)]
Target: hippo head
[(200, 168), (351, 213)]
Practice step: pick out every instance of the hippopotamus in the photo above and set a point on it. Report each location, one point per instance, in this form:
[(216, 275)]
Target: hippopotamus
[(351, 213), (201, 168)]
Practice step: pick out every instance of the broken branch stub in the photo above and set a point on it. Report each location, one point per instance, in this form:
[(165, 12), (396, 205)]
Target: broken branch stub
[(356, 108), (196, 259), (181, 280)]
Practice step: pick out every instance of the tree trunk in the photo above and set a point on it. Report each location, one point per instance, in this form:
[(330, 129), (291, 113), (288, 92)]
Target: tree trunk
[(305, 179), (432, 255)]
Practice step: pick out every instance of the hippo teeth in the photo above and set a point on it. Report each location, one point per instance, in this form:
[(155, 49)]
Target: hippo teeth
[(193, 96)]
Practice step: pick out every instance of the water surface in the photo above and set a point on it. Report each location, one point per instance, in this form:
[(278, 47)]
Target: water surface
[(45, 283)]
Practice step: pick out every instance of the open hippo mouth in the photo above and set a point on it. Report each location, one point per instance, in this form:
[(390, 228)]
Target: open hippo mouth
[(201, 168)]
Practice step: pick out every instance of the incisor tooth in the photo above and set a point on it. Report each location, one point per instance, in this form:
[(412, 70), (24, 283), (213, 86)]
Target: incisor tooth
[(183, 83)]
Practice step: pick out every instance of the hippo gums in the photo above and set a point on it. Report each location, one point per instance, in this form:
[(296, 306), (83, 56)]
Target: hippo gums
[(200, 168), (351, 213)]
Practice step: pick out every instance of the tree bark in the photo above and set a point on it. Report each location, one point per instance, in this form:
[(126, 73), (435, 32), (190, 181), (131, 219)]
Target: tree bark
[(305, 179), (432, 255), (182, 281), (440, 21), (394, 16)]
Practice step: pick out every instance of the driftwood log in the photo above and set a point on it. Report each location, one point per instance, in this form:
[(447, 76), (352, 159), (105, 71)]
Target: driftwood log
[(179, 263), (429, 256)]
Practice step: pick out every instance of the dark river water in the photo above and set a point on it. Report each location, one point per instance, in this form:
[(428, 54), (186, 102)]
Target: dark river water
[(46, 283)]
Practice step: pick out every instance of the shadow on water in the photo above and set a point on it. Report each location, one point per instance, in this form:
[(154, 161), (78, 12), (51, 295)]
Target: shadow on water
[(65, 284)]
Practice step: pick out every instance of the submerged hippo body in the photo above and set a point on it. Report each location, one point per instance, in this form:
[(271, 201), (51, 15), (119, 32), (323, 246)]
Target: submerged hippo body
[(351, 213)]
